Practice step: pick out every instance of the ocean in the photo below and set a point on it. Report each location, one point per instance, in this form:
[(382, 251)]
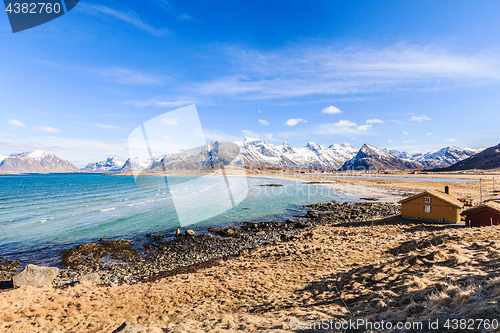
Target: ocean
[(43, 214)]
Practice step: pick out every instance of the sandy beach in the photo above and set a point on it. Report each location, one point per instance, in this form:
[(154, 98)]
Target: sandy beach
[(331, 270)]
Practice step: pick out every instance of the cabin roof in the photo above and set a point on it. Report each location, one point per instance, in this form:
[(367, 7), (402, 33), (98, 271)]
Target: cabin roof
[(451, 199), (491, 205)]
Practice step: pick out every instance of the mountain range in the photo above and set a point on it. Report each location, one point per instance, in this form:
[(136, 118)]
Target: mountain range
[(37, 161), (258, 153)]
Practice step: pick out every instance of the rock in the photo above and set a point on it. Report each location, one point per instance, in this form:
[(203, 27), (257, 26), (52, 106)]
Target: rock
[(301, 225), (129, 327), (312, 214), (284, 238), (150, 235), (93, 278), (190, 233), (178, 233), (33, 275), (103, 240), (290, 221)]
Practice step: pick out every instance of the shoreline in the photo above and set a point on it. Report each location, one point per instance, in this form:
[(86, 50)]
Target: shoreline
[(384, 268), (337, 262), (118, 262)]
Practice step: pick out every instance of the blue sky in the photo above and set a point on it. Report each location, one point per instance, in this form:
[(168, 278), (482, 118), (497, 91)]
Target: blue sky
[(400, 75)]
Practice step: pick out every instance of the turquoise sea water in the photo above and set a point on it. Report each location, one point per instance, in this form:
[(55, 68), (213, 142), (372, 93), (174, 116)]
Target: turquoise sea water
[(53, 212)]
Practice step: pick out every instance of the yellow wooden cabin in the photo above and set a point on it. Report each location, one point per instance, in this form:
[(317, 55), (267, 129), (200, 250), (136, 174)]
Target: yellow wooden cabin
[(432, 205)]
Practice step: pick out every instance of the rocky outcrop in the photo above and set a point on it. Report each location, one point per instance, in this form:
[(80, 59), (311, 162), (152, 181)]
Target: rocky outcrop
[(33, 275), (92, 278)]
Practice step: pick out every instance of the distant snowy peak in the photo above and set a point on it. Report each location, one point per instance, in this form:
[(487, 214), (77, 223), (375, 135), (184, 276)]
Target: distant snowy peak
[(137, 164), (446, 157), (437, 159), (37, 161), (111, 164), (403, 154), (373, 158)]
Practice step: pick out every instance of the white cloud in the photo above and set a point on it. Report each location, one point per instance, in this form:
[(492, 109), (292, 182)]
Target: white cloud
[(294, 121), (104, 126), (451, 140), (128, 76), (46, 129), (263, 122), (128, 16), (344, 123), (16, 123), (259, 135), (217, 135), (286, 134), (166, 137), (390, 141), (410, 141), (406, 133), (173, 10), (344, 127), (160, 103), (259, 111), (331, 110), (305, 70), (420, 118), (364, 127), (170, 121), (428, 133), (374, 121)]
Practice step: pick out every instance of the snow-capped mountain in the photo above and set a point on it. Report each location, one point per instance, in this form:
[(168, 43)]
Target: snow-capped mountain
[(255, 152), (403, 154), (137, 163), (37, 161), (258, 153), (445, 157), (372, 158), (486, 159), (111, 164), (436, 159)]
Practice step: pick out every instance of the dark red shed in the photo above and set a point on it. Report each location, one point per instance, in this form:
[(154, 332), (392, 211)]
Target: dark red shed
[(482, 215)]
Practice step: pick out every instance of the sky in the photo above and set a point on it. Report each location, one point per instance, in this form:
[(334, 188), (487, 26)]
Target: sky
[(412, 75)]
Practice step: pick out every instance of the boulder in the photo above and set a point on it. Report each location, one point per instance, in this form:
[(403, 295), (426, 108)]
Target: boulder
[(290, 221), (129, 327), (178, 233), (103, 240), (312, 214), (93, 278), (190, 233), (33, 275)]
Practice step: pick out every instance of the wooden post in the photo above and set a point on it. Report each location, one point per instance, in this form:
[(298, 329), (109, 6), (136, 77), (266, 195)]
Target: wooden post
[(481, 188)]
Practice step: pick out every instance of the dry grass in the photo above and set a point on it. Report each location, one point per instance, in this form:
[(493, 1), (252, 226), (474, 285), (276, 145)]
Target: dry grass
[(393, 271)]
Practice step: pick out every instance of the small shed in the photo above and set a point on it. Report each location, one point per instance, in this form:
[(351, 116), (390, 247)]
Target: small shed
[(483, 215), (432, 205)]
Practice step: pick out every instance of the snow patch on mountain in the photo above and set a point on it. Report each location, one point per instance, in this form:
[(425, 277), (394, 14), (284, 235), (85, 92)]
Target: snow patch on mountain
[(111, 164)]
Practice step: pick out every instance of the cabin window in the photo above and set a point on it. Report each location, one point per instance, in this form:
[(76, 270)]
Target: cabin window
[(427, 208), (427, 199)]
